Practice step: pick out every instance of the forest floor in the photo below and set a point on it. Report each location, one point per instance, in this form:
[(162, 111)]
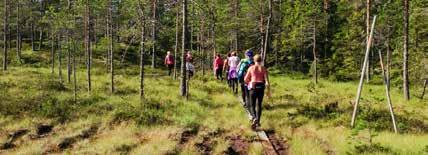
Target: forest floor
[(38, 116)]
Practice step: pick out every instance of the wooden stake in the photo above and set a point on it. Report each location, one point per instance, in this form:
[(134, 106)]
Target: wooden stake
[(360, 86), (388, 97)]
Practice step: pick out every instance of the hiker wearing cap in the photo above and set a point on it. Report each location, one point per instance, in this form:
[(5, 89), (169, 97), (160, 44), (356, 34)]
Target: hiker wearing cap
[(226, 69), (218, 67), (189, 64), (169, 62), (233, 71), (243, 67), (257, 80)]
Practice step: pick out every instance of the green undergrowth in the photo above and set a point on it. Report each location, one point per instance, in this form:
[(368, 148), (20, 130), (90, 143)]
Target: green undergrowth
[(308, 115)]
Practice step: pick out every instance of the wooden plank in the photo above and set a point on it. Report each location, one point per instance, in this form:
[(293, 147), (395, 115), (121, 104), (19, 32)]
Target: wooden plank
[(267, 145)]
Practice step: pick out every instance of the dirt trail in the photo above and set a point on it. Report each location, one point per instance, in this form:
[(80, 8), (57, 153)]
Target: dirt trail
[(206, 146), (238, 145), (183, 139)]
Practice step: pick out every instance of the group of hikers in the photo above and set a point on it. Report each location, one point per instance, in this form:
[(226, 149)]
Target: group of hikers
[(249, 73)]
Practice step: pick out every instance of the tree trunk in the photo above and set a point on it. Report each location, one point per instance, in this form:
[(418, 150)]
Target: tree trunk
[(59, 59), (183, 84), (425, 86), (18, 31), (88, 45), (314, 38), (267, 37), (68, 47), (262, 28), (405, 52), (177, 32), (33, 48), (142, 27), (368, 3), (110, 16), (6, 31), (40, 39), (154, 20), (52, 51), (388, 60), (236, 14), (74, 75)]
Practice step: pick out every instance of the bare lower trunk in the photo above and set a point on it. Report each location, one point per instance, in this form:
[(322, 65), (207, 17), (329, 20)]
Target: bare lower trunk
[(18, 32), (40, 39), (183, 85), (88, 45), (59, 59), (177, 32), (5, 35), (314, 38), (52, 52), (405, 52), (142, 27), (154, 32), (74, 77), (367, 36), (111, 46), (267, 37)]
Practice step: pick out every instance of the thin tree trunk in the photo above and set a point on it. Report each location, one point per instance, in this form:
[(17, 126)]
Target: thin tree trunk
[(425, 86), (177, 32), (6, 31), (405, 52), (74, 75), (236, 14), (314, 38), (111, 45), (262, 28), (18, 31), (183, 84), (122, 58), (40, 39), (69, 67), (59, 59), (33, 48), (88, 45), (388, 96), (368, 3), (142, 27), (388, 62), (154, 18), (267, 37), (52, 51)]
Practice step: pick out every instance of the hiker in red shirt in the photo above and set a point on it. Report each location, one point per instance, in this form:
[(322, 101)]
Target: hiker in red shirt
[(169, 62), (257, 80), (218, 67)]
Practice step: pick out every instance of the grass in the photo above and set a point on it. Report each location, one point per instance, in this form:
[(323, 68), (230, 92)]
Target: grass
[(299, 111)]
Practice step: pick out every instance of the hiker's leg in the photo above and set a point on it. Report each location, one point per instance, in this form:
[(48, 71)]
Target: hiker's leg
[(252, 103), (260, 95), (243, 89)]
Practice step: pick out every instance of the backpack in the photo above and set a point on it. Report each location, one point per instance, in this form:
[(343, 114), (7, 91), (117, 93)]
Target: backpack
[(245, 64)]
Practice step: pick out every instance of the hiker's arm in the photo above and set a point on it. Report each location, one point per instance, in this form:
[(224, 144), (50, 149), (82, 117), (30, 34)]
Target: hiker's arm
[(247, 77)]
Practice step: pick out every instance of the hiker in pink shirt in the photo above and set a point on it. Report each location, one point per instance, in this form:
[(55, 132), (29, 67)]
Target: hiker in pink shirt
[(218, 67), (169, 62), (257, 80)]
